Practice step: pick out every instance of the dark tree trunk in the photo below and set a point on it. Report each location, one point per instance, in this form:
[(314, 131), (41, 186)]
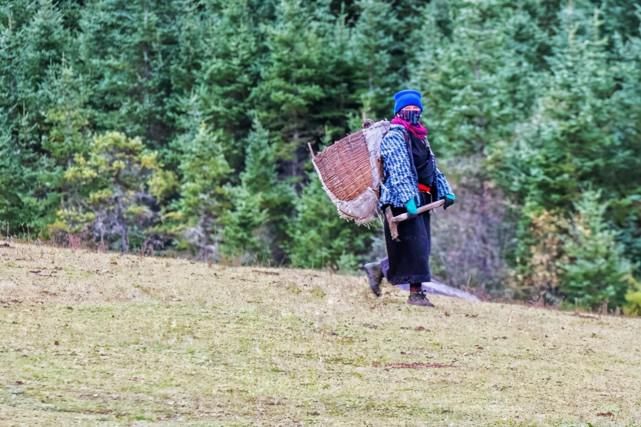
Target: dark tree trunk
[(120, 218)]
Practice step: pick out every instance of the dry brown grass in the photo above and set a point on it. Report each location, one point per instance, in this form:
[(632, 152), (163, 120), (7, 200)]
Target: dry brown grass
[(90, 338)]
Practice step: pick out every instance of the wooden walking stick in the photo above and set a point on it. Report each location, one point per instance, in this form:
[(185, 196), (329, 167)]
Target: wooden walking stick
[(392, 220)]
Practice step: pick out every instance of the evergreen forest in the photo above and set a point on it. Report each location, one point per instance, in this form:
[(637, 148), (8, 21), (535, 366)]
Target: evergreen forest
[(182, 127)]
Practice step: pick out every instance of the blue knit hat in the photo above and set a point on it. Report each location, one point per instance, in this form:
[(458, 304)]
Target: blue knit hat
[(407, 97)]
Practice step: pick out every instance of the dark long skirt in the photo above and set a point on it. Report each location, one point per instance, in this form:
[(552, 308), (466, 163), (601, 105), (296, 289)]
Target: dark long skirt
[(408, 257)]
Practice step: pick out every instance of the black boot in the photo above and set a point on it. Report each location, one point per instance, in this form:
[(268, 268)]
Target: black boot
[(374, 276), (419, 299), (417, 296)]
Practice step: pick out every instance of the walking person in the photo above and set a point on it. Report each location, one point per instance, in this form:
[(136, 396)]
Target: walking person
[(409, 181)]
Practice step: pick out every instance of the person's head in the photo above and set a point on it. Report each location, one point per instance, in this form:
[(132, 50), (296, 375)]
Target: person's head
[(408, 105)]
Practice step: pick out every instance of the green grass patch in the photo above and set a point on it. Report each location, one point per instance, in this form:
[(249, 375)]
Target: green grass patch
[(128, 340)]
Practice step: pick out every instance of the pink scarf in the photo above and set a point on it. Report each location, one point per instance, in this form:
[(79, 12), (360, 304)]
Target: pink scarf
[(419, 131)]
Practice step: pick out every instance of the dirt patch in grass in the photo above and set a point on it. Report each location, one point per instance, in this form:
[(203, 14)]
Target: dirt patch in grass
[(413, 365)]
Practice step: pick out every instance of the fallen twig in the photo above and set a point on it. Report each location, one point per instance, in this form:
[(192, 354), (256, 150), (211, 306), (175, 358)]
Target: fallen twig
[(274, 273)]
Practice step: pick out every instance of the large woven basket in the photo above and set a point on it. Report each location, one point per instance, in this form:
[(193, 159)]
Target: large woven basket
[(351, 172)]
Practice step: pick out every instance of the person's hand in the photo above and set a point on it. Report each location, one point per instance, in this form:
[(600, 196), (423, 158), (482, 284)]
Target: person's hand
[(410, 206), (450, 198)]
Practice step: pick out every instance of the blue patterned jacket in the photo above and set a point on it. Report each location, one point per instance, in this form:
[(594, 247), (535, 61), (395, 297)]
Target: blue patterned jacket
[(399, 176)]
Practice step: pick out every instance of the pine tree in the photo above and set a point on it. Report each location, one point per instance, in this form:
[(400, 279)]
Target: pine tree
[(11, 182), (625, 152), (467, 96), (67, 94), (409, 36), (595, 271), (229, 72), (243, 232), (373, 45), (255, 228), (125, 50), (569, 140), (32, 43), (203, 194), (320, 238), (303, 92), (194, 26)]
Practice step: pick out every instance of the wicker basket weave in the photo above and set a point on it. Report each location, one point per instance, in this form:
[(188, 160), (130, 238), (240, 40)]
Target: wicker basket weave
[(350, 170)]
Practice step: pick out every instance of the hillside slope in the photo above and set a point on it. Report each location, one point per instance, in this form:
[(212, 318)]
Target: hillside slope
[(88, 338)]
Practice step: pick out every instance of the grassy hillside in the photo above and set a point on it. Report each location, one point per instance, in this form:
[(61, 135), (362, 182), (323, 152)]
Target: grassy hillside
[(88, 338)]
